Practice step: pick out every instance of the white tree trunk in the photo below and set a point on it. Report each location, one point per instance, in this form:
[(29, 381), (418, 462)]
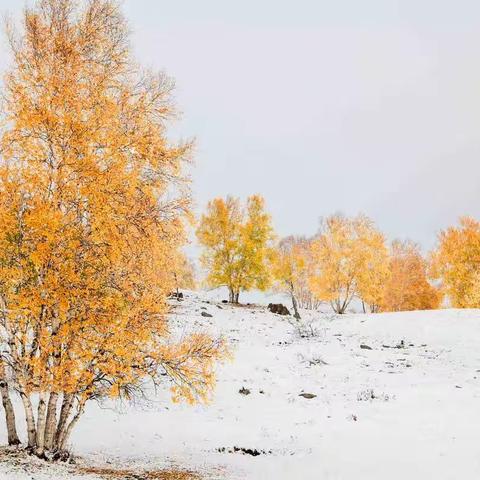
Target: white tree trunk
[(67, 405), (9, 411), (30, 419), (41, 422), (51, 423), (68, 427)]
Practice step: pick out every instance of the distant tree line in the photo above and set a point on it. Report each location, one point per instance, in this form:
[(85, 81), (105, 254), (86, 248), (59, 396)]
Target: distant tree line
[(347, 259)]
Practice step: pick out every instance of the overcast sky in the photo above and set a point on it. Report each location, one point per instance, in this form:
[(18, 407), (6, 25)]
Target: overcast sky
[(325, 106)]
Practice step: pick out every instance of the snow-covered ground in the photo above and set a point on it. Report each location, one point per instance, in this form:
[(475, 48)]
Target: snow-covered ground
[(397, 396)]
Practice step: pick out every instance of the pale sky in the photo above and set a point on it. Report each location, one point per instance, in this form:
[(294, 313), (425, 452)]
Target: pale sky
[(321, 106)]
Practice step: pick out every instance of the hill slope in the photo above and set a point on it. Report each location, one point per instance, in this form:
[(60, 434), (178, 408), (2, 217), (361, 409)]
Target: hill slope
[(392, 396)]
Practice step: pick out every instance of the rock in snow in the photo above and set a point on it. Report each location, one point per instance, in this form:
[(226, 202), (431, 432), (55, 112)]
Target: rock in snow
[(278, 308), (244, 391), (307, 395)]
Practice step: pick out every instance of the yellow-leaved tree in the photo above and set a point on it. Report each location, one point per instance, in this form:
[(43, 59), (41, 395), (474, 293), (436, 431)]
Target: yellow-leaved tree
[(456, 263), (89, 226), (184, 275), (237, 244), (304, 294), (289, 265), (408, 287), (349, 259), (373, 255)]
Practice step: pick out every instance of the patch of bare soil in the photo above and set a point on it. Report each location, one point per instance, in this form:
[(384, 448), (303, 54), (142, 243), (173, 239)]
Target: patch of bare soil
[(118, 474), (18, 460)]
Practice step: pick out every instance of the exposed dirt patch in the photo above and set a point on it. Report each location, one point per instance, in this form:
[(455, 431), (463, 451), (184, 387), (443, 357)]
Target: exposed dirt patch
[(112, 473), (18, 460)]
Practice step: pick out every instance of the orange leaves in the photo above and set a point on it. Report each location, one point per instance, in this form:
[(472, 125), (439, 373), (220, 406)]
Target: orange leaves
[(456, 262), (408, 287), (349, 258), (289, 262), (191, 365), (93, 205)]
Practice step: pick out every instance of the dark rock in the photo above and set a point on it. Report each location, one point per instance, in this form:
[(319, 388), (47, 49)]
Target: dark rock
[(248, 451), (61, 456), (220, 307), (278, 308), (365, 347), (244, 391), (244, 451), (176, 295), (307, 395), (206, 314), (224, 301)]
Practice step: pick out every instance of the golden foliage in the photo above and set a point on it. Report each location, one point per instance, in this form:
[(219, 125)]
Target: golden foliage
[(289, 268), (237, 244), (288, 264), (184, 274), (350, 258), (456, 262), (408, 287), (92, 208)]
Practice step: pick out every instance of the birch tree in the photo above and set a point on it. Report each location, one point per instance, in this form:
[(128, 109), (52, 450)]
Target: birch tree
[(349, 260), (289, 267), (237, 245), (456, 263), (408, 287), (92, 208)]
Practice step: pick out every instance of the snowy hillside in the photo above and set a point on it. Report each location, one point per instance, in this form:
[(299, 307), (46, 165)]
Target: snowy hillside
[(392, 396)]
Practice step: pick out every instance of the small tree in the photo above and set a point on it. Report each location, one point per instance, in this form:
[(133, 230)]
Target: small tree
[(183, 273), (374, 271), (304, 295), (237, 244), (407, 287), (346, 258), (289, 266), (456, 263)]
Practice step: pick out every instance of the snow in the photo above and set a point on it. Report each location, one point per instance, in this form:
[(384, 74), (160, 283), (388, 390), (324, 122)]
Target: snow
[(422, 421)]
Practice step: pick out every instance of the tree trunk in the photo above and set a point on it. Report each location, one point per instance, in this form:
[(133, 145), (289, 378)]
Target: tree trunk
[(295, 307), (67, 405), (30, 419), (51, 423), (237, 294), (8, 407), (230, 295), (41, 423), (338, 307), (68, 430)]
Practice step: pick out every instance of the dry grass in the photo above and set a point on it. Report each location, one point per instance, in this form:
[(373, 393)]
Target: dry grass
[(18, 459), (116, 474)]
